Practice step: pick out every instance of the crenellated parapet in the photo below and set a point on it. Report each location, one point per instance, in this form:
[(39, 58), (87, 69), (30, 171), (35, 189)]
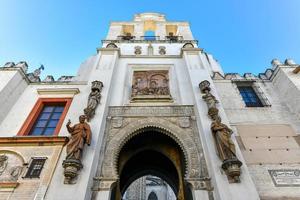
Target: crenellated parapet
[(34, 77), (267, 75)]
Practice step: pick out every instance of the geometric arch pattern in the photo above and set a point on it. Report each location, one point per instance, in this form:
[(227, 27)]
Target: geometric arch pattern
[(178, 134)]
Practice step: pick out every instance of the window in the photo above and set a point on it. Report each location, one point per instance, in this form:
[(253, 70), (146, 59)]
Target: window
[(35, 168), (149, 35), (47, 120), (249, 96), (46, 117)]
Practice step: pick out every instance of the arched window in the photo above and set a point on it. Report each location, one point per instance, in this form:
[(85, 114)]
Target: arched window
[(149, 35), (152, 196)]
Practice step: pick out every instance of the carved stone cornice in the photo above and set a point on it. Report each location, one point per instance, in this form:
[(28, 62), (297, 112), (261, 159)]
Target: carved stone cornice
[(142, 111), (57, 91), (33, 141)]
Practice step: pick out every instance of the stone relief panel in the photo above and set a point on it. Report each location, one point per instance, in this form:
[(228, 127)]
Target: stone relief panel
[(11, 166), (150, 84), (174, 121)]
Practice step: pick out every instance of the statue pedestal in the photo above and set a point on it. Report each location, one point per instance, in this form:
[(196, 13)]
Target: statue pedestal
[(232, 169), (71, 166)]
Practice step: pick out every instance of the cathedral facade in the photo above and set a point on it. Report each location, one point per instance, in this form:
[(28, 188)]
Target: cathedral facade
[(150, 108)]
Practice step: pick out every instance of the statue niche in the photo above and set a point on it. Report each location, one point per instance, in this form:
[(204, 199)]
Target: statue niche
[(150, 85)]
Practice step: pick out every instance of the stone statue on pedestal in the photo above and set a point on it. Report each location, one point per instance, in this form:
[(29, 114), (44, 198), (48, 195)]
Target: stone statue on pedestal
[(222, 136), (80, 135), (94, 99)]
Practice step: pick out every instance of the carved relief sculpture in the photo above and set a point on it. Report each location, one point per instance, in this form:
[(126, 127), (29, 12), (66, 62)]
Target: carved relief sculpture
[(11, 168), (3, 163), (137, 50), (93, 100), (152, 84), (80, 135), (162, 50), (35, 76), (222, 136)]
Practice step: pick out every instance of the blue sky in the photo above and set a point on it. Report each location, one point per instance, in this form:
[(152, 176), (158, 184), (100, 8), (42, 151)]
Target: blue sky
[(243, 35)]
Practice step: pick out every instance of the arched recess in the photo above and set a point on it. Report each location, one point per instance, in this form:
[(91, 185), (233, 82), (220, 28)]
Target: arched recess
[(11, 166), (188, 45), (192, 154), (185, 141), (111, 46), (151, 153), (17, 154)]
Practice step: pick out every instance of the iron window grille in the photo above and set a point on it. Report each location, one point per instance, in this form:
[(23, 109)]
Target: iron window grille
[(252, 94), (35, 167), (249, 96)]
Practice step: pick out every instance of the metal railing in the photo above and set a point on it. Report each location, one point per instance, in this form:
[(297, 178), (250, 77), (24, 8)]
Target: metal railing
[(125, 37), (174, 38), (152, 39)]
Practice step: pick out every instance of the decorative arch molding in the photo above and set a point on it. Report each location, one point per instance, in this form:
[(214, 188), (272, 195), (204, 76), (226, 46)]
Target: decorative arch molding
[(188, 45), (11, 167), (111, 46), (185, 142), (17, 154), (174, 121)]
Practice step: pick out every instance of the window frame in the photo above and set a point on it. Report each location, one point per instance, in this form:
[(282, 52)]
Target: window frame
[(257, 90), (37, 109), (30, 167), (245, 89)]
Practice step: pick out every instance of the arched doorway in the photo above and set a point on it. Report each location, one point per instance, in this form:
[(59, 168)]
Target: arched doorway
[(157, 141), (151, 153)]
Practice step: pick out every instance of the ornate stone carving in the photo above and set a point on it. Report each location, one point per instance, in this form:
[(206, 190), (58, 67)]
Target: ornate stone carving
[(162, 50), (117, 122), (35, 76), (11, 167), (289, 62), (150, 50), (222, 136), (171, 111), (296, 70), (23, 65), (49, 78), (210, 99), (94, 99), (80, 135), (65, 78), (201, 184), (3, 163), (15, 172), (137, 50), (188, 45), (184, 122), (275, 62), (9, 64), (111, 46), (152, 82), (139, 118)]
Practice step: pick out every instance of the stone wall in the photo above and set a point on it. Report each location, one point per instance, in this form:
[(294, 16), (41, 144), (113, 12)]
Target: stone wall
[(20, 151)]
